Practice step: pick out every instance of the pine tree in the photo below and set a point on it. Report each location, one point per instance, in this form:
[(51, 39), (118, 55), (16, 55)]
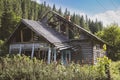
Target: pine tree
[(1, 7), (1, 10), (24, 9), (86, 23), (82, 22), (66, 12), (7, 24), (16, 4), (73, 18), (54, 8), (60, 11)]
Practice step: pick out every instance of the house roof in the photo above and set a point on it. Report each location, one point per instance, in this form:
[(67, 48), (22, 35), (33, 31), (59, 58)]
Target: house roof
[(48, 33), (72, 24), (54, 37)]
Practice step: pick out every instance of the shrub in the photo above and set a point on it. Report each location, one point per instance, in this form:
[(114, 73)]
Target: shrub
[(115, 70), (23, 68)]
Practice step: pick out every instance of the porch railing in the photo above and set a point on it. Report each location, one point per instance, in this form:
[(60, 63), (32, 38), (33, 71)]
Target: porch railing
[(28, 46)]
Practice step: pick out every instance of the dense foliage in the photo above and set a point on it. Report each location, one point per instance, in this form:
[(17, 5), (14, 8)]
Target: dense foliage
[(115, 70), (111, 35), (11, 11), (23, 68)]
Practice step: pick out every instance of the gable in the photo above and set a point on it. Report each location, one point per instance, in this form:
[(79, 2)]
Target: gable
[(44, 31), (25, 34), (72, 29)]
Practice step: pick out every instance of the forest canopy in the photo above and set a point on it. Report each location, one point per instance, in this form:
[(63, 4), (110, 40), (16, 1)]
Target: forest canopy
[(11, 11)]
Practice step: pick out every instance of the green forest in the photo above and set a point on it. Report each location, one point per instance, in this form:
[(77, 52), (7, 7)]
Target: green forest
[(12, 11)]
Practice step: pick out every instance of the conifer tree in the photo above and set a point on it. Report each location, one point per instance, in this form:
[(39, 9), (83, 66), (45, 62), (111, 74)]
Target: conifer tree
[(60, 11), (54, 8)]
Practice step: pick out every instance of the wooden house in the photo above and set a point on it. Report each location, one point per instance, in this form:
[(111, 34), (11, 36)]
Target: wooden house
[(55, 38)]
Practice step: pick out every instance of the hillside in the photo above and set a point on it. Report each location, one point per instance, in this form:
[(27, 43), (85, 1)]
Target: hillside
[(11, 11)]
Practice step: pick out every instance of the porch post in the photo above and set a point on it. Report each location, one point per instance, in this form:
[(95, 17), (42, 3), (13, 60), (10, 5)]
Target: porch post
[(49, 55), (69, 55), (54, 55), (33, 48), (20, 50), (9, 49), (62, 57)]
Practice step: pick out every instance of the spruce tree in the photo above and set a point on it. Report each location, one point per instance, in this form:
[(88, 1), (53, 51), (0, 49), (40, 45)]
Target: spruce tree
[(60, 11), (54, 8), (7, 24)]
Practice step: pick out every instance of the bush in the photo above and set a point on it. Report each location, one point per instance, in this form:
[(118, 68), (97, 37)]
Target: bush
[(115, 70), (23, 68)]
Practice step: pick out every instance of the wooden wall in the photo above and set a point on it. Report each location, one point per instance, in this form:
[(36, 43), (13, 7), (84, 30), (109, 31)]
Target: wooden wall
[(84, 51), (98, 51)]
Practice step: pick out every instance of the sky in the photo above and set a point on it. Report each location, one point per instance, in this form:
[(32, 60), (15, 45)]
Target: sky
[(107, 11)]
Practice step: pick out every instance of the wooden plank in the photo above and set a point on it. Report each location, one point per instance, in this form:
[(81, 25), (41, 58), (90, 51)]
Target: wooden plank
[(32, 35), (10, 49), (44, 52), (69, 56), (65, 57), (59, 27), (49, 55), (21, 34), (39, 53), (20, 50), (67, 31), (33, 48), (61, 57), (54, 55)]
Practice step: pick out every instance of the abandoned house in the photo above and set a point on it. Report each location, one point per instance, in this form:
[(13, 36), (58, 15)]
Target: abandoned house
[(55, 38)]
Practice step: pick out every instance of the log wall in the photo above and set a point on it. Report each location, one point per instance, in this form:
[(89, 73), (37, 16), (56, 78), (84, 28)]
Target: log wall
[(84, 52), (98, 51)]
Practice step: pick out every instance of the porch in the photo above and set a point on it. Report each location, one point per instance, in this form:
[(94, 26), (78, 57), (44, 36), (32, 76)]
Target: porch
[(42, 51)]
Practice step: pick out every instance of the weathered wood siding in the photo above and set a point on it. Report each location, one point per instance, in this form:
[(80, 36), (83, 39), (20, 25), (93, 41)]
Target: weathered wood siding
[(98, 51), (83, 36), (84, 52)]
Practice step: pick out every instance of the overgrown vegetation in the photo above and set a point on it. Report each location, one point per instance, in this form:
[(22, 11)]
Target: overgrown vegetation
[(23, 68), (115, 70), (111, 35)]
